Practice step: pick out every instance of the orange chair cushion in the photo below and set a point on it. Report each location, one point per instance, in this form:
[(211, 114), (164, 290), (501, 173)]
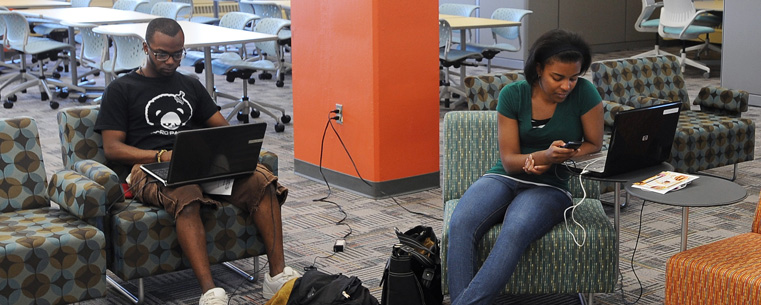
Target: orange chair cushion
[(723, 272)]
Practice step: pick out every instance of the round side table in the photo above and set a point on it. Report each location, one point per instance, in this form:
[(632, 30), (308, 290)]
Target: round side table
[(706, 191)]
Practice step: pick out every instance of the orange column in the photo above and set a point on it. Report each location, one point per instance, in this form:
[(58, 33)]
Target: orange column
[(379, 59)]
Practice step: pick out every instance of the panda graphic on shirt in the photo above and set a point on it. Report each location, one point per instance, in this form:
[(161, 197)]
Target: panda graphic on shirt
[(168, 112)]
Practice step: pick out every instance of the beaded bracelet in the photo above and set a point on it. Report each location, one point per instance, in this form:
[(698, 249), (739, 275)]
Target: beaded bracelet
[(158, 154)]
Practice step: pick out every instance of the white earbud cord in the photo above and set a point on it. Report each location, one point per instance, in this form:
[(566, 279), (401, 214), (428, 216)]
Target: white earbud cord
[(573, 209)]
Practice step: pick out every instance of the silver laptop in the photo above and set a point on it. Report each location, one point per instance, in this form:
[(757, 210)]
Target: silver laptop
[(641, 138), (208, 154)]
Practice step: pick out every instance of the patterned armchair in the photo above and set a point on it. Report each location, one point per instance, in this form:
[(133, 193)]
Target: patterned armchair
[(48, 255), (141, 239), (552, 264), (714, 136), (723, 272), (483, 90)]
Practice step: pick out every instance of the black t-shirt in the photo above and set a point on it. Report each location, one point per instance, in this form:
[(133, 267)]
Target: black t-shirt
[(152, 110)]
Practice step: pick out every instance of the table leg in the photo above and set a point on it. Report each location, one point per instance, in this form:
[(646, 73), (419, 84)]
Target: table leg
[(462, 67), (685, 218), (208, 73), (617, 219), (215, 8), (73, 58)]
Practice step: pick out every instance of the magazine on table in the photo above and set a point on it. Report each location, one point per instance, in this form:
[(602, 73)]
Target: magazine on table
[(665, 181)]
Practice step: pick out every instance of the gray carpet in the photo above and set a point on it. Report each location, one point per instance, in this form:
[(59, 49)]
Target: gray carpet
[(310, 228)]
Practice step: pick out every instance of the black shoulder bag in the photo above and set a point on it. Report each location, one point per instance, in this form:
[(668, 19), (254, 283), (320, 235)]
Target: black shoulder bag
[(318, 288), (413, 271)]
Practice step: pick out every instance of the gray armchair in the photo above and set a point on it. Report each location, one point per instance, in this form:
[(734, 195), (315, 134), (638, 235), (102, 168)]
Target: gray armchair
[(471, 148), (48, 255), (713, 136), (141, 239)]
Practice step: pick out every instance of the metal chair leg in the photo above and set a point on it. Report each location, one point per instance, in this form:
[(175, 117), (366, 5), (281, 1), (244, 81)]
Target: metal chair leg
[(140, 298)]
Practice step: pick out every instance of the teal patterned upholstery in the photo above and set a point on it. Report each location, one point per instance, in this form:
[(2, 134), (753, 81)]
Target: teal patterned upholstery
[(712, 137), (552, 264), (48, 255), (483, 90), (142, 239)]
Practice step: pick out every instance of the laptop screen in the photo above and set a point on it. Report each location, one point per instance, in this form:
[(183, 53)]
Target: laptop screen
[(213, 153), (642, 137)]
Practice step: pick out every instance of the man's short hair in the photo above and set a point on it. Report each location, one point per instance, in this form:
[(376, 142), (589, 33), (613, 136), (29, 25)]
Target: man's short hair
[(165, 26)]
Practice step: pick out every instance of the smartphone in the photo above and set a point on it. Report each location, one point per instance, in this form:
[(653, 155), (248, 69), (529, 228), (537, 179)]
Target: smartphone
[(572, 145)]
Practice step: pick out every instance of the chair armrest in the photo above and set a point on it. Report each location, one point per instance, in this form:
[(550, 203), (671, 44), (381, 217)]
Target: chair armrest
[(722, 101), (78, 195), (610, 109), (103, 175)]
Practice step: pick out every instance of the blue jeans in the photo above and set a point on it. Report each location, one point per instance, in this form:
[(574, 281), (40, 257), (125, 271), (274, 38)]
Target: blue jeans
[(527, 212)]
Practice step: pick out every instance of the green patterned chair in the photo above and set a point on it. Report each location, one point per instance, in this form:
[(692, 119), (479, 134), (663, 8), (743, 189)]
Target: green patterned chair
[(141, 238), (553, 264), (48, 255), (714, 136)]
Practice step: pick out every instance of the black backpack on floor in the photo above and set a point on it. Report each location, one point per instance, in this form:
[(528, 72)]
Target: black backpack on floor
[(317, 288)]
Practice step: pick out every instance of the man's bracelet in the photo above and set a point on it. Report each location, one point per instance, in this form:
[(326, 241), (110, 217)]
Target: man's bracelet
[(159, 153)]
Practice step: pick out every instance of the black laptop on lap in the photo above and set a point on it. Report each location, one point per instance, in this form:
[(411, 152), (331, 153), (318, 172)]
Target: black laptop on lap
[(208, 154), (641, 138)]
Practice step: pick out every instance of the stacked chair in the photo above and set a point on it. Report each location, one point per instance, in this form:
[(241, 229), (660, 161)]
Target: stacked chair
[(140, 239), (554, 264), (48, 254)]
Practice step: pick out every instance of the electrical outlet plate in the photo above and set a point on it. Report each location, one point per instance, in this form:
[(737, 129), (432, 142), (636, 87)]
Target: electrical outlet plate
[(340, 113)]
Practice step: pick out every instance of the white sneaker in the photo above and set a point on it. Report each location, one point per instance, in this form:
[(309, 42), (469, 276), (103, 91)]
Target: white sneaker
[(214, 296), (272, 284)]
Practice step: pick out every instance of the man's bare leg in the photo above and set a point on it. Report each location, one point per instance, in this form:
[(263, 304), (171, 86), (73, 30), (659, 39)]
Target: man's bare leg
[(192, 239), (268, 222)]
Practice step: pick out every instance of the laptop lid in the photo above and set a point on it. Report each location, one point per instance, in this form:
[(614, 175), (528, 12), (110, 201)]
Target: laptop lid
[(641, 138), (208, 154)]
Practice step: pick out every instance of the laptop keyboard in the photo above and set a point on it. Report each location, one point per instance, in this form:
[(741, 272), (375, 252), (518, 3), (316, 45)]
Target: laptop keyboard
[(162, 172), (595, 162)]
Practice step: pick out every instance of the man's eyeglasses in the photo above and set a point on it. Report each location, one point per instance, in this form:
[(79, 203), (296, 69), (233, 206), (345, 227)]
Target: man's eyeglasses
[(163, 56)]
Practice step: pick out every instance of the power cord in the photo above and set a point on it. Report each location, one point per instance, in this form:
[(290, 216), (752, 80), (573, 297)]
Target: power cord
[(356, 170), (325, 198), (636, 243), (339, 243)]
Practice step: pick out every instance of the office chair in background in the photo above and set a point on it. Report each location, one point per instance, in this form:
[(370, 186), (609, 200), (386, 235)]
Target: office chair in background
[(511, 33)]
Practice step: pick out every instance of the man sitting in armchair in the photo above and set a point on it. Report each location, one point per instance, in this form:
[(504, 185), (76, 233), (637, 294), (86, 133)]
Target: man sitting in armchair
[(138, 119)]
